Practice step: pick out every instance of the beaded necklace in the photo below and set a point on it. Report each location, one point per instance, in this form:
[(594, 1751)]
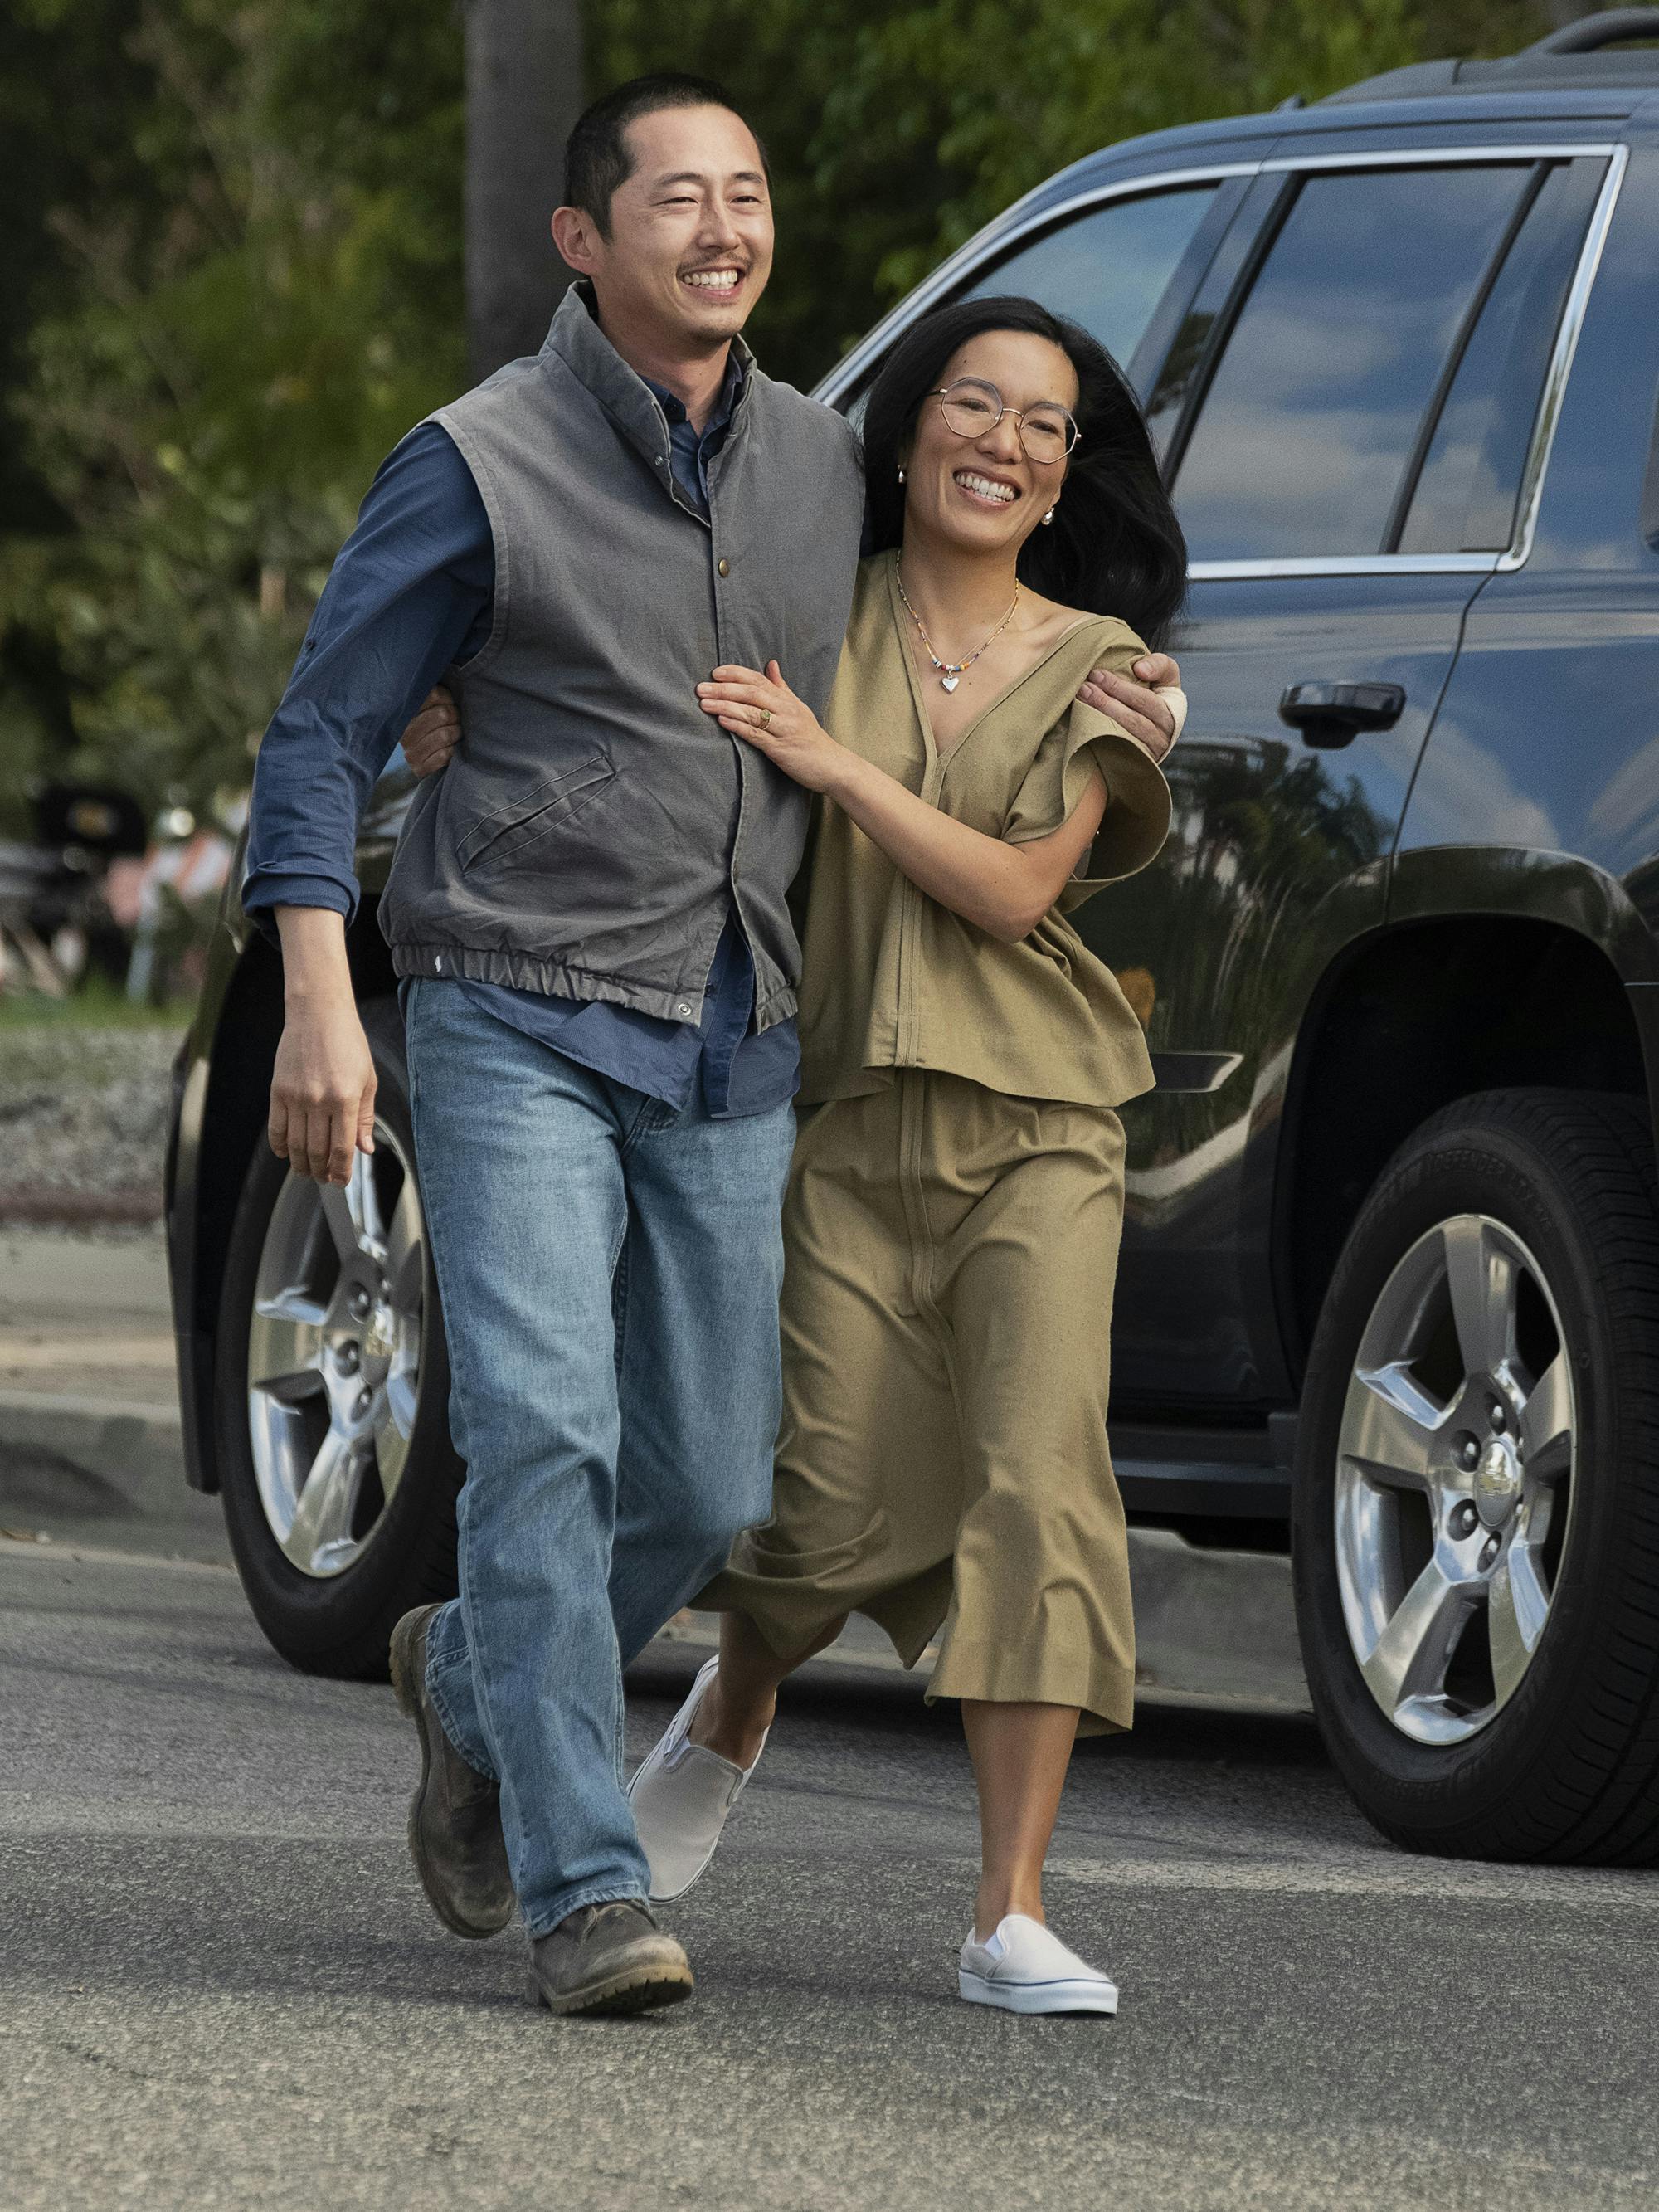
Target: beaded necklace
[(949, 671)]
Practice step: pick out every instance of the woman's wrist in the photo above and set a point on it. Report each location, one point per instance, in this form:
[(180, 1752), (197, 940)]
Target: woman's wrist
[(849, 776)]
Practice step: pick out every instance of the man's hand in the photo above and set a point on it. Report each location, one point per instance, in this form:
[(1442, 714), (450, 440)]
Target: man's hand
[(322, 1089), (435, 732), (1135, 706)]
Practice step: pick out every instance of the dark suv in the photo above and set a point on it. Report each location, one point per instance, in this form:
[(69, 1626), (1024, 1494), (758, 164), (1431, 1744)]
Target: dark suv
[(1390, 1286)]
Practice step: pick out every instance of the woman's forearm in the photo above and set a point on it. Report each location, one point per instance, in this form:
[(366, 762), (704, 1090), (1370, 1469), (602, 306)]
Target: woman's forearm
[(1006, 889)]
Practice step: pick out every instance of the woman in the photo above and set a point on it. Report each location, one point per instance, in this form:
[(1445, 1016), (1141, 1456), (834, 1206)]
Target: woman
[(954, 1210)]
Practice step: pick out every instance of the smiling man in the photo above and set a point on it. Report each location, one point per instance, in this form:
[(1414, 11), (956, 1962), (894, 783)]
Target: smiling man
[(587, 913), (588, 916)]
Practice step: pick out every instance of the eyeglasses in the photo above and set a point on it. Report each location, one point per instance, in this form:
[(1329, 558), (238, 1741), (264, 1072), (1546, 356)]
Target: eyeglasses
[(971, 408)]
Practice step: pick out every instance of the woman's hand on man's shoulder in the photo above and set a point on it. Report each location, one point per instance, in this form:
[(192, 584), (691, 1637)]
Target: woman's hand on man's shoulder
[(1136, 701)]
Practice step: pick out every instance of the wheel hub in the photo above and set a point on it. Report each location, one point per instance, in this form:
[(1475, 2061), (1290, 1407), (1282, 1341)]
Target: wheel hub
[(1497, 1482), (379, 1337)]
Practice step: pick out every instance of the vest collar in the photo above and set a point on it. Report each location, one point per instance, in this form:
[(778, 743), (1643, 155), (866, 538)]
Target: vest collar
[(582, 346)]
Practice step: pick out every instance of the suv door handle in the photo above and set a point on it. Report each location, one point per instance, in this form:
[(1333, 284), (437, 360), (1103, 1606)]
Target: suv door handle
[(1331, 715)]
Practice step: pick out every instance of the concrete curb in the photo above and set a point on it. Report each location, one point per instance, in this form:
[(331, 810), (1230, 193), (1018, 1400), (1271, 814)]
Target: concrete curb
[(93, 1471), (1208, 1623), (80, 1209), (134, 1448), (50, 1551)]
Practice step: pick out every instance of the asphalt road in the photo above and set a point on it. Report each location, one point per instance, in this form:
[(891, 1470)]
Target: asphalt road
[(221, 1988)]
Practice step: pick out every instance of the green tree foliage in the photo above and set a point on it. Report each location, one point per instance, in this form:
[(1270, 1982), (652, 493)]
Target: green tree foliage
[(897, 131), (234, 232), (249, 309)]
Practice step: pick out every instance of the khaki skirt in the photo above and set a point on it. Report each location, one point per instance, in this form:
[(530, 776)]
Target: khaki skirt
[(943, 1459)]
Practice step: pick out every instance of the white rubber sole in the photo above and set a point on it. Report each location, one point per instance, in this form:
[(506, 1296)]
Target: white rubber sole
[(1033, 1997)]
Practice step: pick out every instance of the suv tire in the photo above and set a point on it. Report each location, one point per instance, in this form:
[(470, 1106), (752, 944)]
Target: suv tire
[(1479, 1627), (333, 1296)]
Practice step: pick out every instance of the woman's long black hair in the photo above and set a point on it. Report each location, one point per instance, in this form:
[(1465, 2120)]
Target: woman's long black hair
[(1114, 547)]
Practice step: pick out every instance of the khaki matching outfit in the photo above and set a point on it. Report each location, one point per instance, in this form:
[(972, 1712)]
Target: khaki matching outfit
[(954, 1210)]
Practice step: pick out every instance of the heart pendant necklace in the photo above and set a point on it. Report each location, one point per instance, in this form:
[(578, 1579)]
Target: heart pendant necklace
[(949, 671)]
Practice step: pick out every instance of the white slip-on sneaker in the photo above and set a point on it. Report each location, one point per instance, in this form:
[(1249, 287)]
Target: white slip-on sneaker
[(1023, 1967), (683, 1795)]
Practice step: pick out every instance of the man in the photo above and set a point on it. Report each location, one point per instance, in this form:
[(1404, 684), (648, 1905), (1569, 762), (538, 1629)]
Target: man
[(588, 915)]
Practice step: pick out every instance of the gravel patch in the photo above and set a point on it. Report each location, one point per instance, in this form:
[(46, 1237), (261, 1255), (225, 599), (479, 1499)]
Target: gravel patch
[(83, 1122)]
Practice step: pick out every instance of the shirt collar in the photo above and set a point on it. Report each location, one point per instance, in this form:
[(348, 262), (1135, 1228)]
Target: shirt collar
[(576, 337), (729, 392)]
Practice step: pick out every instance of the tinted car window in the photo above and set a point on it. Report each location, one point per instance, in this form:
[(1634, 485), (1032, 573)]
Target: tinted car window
[(1107, 269), (1314, 409), (1465, 498)]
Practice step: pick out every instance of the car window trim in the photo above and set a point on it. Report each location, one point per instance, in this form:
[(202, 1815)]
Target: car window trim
[(1561, 359), (1417, 460), (1537, 465), (998, 239), (1186, 280), (993, 243), (1260, 219)]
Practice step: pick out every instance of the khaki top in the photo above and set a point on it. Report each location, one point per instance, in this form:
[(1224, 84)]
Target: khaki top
[(893, 979)]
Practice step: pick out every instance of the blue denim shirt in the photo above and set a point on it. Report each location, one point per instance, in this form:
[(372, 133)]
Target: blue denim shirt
[(411, 594)]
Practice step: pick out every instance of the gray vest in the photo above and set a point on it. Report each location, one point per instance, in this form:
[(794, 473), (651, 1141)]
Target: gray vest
[(595, 826)]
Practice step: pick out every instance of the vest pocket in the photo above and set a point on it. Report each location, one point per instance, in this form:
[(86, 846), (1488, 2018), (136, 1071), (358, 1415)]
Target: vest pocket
[(503, 834)]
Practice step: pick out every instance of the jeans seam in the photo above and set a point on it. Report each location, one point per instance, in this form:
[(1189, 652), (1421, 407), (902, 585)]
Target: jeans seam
[(642, 1125), (619, 1749), (409, 1057), (655, 1124), (619, 1283), (598, 1892)]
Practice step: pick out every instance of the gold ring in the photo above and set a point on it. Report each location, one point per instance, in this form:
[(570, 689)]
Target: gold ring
[(766, 718)]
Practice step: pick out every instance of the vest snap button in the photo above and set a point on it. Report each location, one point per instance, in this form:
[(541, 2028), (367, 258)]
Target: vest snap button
[(725, 567), (684, 1010)]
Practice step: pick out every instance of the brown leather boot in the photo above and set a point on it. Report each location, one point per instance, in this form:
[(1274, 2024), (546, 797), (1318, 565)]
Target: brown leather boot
[(455, 1816), (609, 1959)]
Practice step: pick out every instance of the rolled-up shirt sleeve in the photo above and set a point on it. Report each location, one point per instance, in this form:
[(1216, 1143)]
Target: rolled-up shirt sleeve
[(410, 595), (1084, 744)]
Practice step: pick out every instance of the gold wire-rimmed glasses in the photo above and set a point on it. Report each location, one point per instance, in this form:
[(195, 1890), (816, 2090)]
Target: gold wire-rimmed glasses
[(972, 407)]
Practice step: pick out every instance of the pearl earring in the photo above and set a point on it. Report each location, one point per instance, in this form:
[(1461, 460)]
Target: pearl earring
[(1049, 516), (901, 475)]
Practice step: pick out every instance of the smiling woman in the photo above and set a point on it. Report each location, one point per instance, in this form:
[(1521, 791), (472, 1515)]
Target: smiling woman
[(1113, 546), (956, 1199)]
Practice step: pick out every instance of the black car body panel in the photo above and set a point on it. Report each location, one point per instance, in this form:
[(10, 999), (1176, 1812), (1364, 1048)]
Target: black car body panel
[(1341, 936)]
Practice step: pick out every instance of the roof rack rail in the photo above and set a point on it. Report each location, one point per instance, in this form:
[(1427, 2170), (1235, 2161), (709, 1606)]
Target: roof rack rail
[(1576, 56), (1590, 34)]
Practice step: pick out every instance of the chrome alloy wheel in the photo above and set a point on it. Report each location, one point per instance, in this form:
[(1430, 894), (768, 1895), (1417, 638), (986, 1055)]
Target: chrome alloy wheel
[(334, 1356), (1454, 1479)]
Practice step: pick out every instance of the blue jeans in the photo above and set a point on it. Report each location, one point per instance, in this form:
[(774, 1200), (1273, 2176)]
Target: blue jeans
[(609, 1269)]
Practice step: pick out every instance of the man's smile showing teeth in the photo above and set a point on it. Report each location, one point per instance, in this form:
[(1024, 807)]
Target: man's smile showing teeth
[(713, 280), (987, 488)]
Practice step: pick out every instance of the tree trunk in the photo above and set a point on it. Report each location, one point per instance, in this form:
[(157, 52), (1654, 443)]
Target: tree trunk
[(524, 90)]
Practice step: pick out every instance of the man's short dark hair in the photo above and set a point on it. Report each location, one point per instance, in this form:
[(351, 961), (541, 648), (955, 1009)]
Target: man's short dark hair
[(596, 156)]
